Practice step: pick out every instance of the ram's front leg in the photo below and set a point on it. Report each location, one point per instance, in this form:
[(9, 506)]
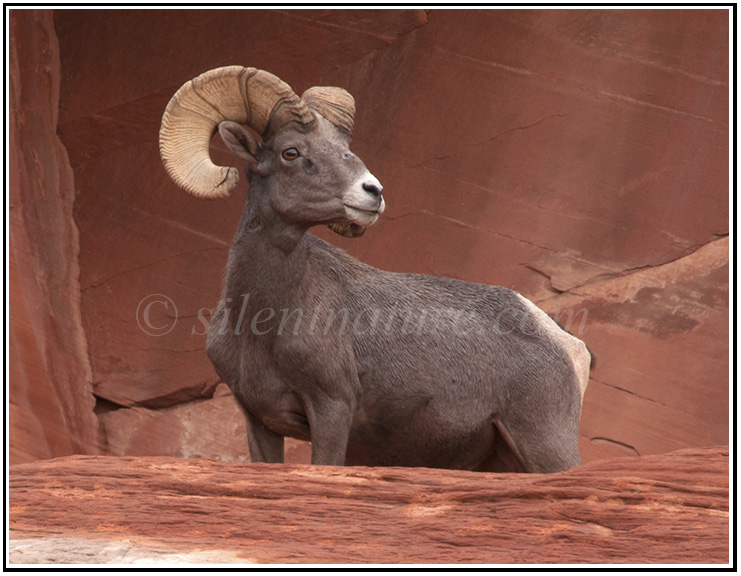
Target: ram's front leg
[(329, 426), (265, 445)]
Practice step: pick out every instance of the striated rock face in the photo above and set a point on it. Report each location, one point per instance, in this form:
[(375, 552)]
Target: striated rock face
[(51, 401), (577, 156), (668, 509)]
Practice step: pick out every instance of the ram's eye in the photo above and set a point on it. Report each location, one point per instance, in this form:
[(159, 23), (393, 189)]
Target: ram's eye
[(290, 154)]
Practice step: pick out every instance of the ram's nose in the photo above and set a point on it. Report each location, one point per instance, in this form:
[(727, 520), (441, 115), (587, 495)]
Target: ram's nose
[(373, 187)]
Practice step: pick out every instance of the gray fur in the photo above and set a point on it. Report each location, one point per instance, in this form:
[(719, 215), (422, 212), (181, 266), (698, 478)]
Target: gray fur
[(424, 371)]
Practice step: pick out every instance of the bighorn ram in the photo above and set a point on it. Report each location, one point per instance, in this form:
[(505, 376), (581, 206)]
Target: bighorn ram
[(374, 368)]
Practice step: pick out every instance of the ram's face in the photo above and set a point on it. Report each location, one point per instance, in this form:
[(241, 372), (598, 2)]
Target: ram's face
[(318, 179)]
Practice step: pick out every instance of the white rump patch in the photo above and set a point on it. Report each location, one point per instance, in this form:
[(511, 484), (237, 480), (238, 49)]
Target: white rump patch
[(575, 349)]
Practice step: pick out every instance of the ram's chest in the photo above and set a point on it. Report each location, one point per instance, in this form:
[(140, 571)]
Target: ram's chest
[(262, 383), (269, 395)]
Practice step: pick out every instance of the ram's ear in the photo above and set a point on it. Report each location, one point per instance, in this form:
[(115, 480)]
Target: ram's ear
[(242, 143)]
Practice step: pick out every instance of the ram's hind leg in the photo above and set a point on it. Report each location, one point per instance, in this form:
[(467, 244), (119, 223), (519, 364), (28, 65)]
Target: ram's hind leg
[(504, 456), (265, 445), (538, 448)]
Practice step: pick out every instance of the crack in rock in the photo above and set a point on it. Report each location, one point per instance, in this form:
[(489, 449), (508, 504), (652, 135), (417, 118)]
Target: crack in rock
[(516, 128), (622, 446), (549, 277), (621, 389), (147, 265), (490, 140)]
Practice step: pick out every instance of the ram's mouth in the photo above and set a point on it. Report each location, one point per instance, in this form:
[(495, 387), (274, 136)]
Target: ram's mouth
[(361, 216)]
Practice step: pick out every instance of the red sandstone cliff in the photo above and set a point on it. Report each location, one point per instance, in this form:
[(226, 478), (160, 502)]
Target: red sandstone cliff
[(51, 392)]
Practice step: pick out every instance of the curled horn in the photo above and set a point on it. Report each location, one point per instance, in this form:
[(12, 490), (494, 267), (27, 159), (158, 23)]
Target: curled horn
[(244, 95), (335, 104)]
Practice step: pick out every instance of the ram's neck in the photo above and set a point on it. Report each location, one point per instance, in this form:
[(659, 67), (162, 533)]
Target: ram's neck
[(268, 258)]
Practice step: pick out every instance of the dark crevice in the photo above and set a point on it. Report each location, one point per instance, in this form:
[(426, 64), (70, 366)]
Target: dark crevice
[(105, 406)]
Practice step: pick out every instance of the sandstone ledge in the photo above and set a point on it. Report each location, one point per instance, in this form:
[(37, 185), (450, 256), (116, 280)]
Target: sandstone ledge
[(670, 508)]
